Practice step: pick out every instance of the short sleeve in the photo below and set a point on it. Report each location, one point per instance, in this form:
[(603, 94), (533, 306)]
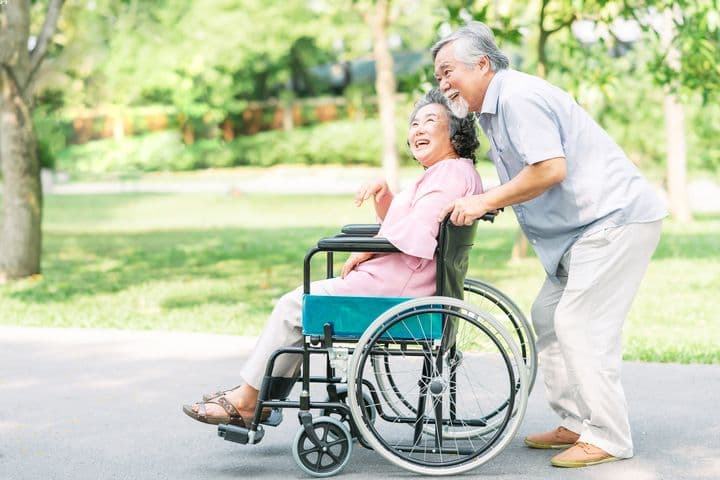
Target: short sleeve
[(416, 233), (532, 127)]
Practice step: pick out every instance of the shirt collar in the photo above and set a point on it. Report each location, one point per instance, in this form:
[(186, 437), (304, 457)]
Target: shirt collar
[(493, 93)]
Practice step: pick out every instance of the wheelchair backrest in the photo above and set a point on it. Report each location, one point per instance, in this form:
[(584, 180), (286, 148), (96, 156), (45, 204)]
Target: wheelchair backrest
[(454, 245)]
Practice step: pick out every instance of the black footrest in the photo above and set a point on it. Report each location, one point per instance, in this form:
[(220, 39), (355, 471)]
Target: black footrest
[(233, 433)]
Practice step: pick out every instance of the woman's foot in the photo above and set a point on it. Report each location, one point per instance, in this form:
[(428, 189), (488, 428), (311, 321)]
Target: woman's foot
[(209, 396), (227, 408)]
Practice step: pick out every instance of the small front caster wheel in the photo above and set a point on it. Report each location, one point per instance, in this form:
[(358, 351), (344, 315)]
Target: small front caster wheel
[(327, 453)]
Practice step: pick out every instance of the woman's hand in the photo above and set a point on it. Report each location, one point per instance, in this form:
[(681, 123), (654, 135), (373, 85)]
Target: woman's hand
[(354, 260), (374, 188)]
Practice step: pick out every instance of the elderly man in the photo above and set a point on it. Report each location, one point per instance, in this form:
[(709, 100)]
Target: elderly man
[(590, 216)]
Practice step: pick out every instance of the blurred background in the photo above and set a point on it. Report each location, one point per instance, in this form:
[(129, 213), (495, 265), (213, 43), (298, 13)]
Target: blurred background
[(139, 86), (167, 163)]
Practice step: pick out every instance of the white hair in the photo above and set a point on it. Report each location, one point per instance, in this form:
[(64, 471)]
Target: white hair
[(471, 42)]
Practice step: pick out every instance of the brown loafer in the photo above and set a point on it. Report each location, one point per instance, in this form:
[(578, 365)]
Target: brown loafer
[(561, 437), (581, 455)]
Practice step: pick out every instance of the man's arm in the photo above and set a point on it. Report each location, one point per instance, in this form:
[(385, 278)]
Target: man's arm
[(532, 181)]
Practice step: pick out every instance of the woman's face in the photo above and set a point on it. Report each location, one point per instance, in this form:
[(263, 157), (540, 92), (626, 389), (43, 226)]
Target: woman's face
[(429, 135)]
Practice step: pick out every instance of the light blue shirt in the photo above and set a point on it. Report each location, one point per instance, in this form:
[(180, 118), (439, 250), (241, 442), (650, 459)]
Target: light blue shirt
[(528, 120)]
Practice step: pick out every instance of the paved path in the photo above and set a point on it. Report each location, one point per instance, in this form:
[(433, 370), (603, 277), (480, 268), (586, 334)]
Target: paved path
[(98, 404)]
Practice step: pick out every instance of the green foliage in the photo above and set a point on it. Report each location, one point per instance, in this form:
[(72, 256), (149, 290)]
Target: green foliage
[(51, 135), (208, 59), (212, 57), (343, 142), (132, 155), (697, 23), (703, 145)]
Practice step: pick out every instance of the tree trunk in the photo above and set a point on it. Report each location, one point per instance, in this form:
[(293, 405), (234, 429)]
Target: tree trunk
[(675, 134), (118, 126), (20, 224), (385, 87), (21, 215)]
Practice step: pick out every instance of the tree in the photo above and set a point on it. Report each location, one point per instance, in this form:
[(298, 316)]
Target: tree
[(675, 129), (684, 61), (20, 221), (378, 17), (208, 59)]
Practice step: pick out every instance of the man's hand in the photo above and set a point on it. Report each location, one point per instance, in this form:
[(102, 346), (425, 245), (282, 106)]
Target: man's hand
[(466, 210), (376, 188), (354, 260)]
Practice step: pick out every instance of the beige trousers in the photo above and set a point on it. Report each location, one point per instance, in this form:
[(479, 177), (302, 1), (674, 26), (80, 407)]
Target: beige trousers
[(283, 329), (578, 318)]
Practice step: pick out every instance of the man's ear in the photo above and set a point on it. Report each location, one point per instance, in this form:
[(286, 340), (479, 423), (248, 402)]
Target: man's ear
[(484, 63)]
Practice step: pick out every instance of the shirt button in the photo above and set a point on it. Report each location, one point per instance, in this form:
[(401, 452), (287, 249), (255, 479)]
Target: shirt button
[(534, 241)]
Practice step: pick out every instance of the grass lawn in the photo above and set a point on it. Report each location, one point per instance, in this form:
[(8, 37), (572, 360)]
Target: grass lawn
[(216, 263)]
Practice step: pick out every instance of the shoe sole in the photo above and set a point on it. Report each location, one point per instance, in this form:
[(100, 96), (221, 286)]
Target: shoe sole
[(562, 464), (548, 446)]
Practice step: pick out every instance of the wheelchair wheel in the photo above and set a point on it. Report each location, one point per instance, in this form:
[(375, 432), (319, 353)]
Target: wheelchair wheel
[(459, 386), (491, 300), (327, 453)]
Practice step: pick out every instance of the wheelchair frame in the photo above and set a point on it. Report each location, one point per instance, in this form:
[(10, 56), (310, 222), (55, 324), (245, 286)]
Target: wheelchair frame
[(275, 390)]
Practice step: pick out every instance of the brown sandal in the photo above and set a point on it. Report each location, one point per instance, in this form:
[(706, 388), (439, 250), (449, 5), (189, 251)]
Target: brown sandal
[(233, 416), (212, 396)]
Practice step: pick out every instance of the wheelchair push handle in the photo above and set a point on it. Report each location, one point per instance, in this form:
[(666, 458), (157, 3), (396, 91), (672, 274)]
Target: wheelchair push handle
[(490, 216), (372, 229)]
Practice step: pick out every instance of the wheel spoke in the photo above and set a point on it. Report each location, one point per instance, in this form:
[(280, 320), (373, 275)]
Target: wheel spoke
[(447, 429)]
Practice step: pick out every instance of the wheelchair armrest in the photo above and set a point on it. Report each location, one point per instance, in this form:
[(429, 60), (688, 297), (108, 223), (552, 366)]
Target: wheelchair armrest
[(356, 244), (361, 229)]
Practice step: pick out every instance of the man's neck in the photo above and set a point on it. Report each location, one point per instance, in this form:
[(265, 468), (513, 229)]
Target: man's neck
[(484, 85)]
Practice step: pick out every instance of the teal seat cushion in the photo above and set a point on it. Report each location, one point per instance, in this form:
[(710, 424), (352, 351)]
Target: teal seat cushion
[(349, 317)]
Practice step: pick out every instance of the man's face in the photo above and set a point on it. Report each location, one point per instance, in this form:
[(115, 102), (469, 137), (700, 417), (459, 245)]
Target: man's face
[(459, 82)]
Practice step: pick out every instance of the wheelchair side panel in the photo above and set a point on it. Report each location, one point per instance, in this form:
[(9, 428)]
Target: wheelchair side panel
[(350, 316)]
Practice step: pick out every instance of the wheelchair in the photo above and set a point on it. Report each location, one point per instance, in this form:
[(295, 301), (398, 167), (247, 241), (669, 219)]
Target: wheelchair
[(437, 385)]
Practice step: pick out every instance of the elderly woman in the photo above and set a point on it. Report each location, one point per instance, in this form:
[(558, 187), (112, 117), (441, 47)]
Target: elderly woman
[(445, 146)]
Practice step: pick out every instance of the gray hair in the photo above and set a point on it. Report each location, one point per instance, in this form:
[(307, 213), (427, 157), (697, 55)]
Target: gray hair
[(471, 42), (463, 135)]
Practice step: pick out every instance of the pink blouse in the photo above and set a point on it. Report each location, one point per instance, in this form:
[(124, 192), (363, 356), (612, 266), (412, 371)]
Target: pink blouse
[(411, 225)]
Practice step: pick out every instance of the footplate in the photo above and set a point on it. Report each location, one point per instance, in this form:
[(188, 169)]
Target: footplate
[(243, 435), (234, 433)]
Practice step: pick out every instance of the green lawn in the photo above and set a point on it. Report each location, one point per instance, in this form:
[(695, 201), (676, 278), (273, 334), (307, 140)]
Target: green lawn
[(216, 263)]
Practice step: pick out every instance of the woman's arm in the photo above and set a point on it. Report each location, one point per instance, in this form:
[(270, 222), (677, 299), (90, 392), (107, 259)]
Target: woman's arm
[(382, 196), (415, 231)]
